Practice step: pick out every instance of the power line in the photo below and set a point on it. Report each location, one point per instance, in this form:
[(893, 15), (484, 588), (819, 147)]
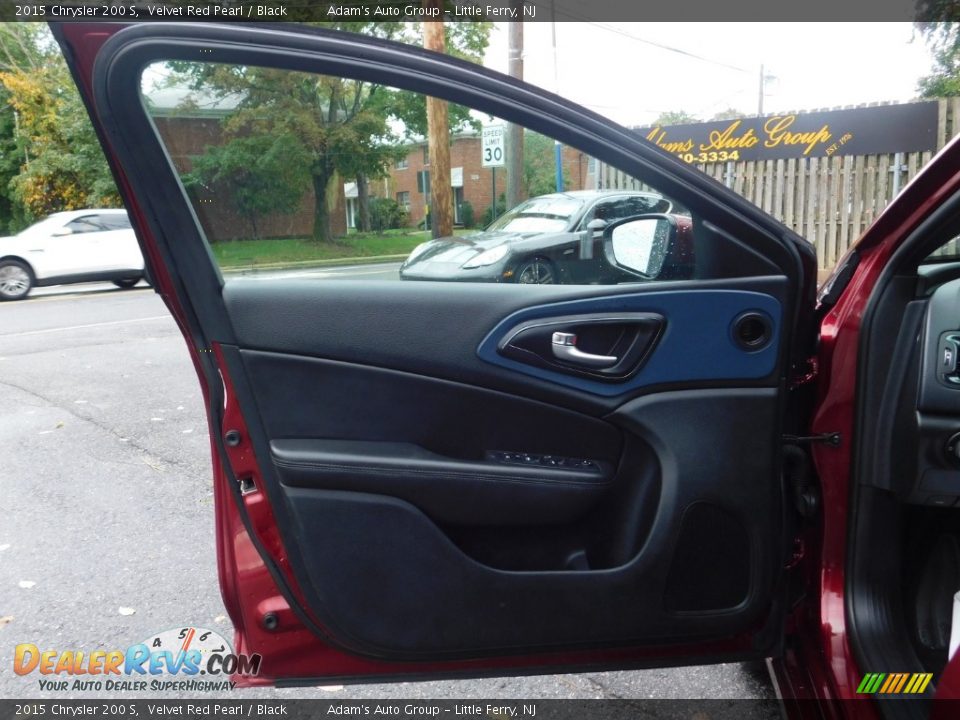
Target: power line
[(669, 48), (548, 5)]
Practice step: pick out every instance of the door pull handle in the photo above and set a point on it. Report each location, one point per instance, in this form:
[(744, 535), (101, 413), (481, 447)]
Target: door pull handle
[(565, 348)]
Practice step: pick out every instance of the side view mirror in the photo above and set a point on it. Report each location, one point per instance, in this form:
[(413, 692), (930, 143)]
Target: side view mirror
[(595, 227), (652, 246), (62, 232)]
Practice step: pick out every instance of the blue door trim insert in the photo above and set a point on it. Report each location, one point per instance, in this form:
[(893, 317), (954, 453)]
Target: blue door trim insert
[(697, 342)]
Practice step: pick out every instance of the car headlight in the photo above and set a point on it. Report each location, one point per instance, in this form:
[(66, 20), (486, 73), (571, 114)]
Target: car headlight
[(418, 250), (489, 257)]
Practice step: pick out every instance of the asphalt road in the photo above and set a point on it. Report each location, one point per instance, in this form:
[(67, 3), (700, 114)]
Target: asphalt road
[(105, 494)]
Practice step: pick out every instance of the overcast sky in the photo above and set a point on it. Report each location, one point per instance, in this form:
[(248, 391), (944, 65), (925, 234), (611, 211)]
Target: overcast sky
[(610, 69)]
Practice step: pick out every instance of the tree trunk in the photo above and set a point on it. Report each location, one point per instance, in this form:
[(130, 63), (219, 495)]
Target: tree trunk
[(438, 132), (322, 229), (515, 190), (363, 202)]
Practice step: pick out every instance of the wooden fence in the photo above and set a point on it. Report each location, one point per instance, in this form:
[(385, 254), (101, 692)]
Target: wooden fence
[(829, 201)]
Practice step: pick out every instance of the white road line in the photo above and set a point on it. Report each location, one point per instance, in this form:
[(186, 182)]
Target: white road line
[(368, 266), (314, 274), (70, 295), (90, 325), (380, 271)]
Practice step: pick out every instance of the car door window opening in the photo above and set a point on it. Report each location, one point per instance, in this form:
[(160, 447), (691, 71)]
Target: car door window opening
[(259, 198)]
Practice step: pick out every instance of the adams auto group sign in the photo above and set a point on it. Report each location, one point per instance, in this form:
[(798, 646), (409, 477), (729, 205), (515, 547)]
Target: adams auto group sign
[(911, 127)]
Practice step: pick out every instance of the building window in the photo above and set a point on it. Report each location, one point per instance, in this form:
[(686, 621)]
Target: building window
[(352, 213), (402, 164), (458, 206), (403, 199), (426, 154)]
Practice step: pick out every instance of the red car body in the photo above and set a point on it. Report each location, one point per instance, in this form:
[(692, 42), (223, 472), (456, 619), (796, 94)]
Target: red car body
[(828, 669)]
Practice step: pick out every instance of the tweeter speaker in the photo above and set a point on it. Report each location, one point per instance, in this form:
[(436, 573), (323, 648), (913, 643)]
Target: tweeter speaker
[(752, 330)]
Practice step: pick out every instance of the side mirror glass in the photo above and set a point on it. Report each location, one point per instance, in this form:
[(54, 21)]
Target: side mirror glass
[(595, 227), (642, 245)]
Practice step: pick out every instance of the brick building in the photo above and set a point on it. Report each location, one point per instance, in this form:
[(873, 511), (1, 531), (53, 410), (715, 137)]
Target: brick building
[(470, 181), (408, 183), (189, 136)]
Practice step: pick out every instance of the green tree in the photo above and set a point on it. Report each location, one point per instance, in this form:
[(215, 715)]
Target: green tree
[(539, 164), (728, 114), (387, 214), (466, 41), (344, 127), (58, 159), (943, 38), (257, 173), (329, 117), (376, 153), (20, 51), (676, 117)]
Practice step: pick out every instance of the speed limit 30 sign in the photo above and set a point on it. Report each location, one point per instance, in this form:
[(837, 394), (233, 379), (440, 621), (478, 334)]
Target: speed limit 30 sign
[(492, 146)]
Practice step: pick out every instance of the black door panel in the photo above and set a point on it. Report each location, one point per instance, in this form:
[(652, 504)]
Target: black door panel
[(671, 534), (315, 398), (449, 490), (694, 564), (453, 331)]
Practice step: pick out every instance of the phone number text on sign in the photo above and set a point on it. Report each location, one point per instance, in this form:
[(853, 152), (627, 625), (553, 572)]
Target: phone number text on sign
[(710, 157)]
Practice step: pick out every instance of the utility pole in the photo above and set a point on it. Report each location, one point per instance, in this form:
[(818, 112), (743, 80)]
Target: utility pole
[(760, 100), (762, 92), (438, 139), (514, 135), (16, 136)]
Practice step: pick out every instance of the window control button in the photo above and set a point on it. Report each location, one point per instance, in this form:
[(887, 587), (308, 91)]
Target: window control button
[(550, 461)]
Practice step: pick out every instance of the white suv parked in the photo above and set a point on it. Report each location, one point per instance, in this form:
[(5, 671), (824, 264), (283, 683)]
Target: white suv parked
[(70, 247)]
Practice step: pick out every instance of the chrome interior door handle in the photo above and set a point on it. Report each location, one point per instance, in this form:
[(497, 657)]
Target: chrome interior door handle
[(565, 348)]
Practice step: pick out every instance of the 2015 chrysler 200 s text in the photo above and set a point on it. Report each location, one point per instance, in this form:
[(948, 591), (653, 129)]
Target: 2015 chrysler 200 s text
[(426, 479)]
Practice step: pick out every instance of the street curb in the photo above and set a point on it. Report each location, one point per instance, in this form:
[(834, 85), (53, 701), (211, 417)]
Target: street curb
[(332, 262)]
